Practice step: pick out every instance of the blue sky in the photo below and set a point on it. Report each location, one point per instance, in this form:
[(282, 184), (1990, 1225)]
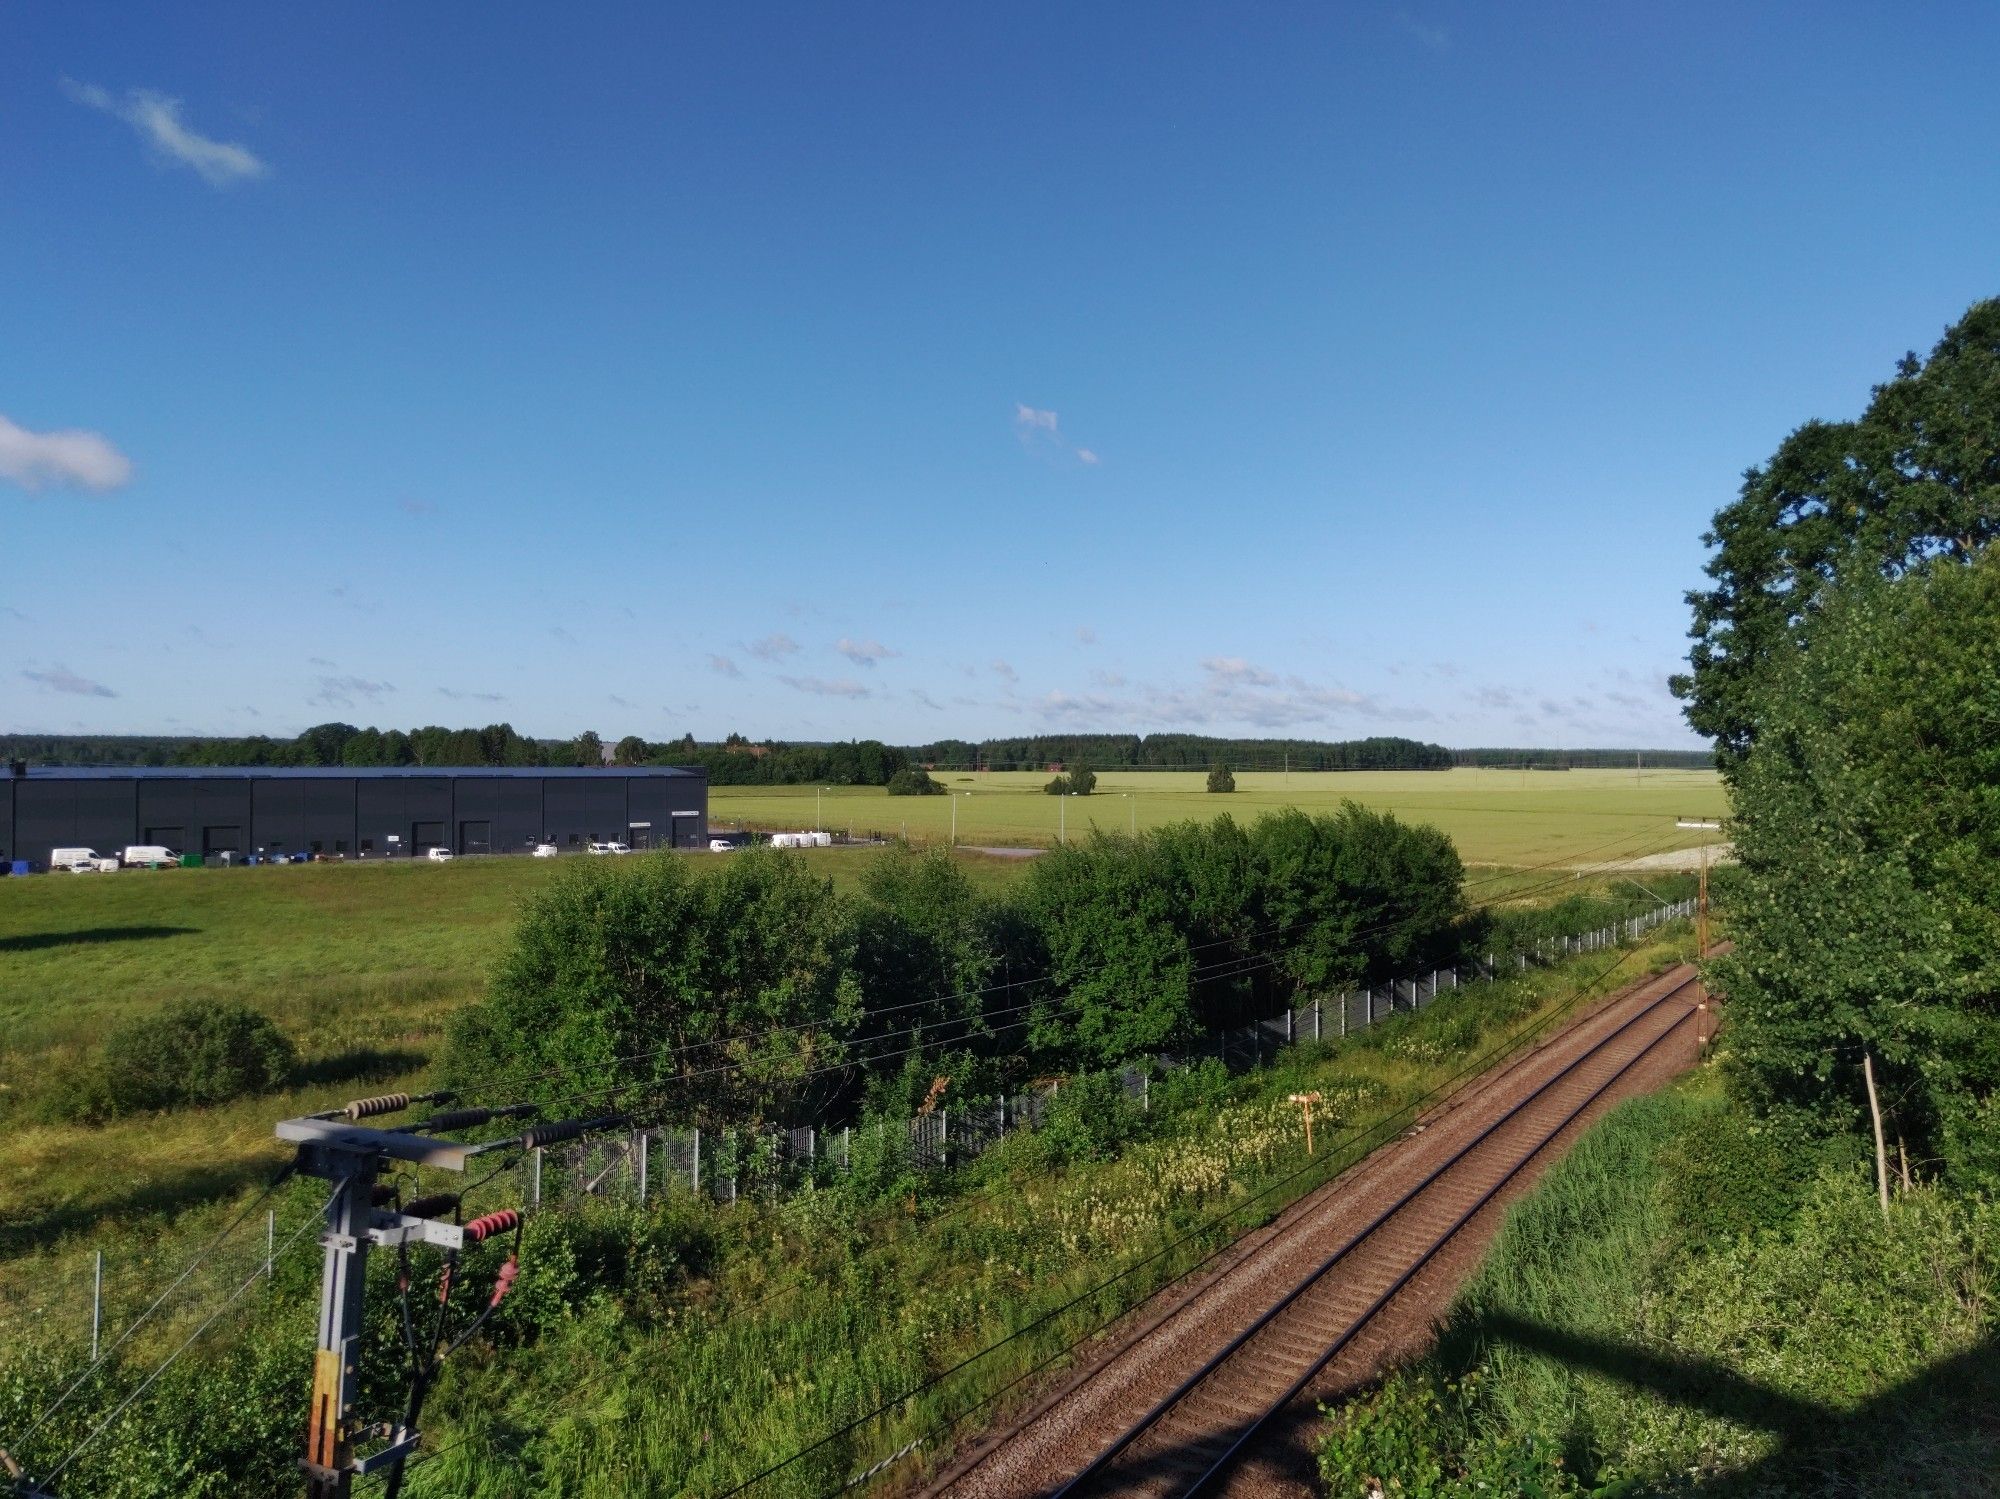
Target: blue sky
[(818, 371)]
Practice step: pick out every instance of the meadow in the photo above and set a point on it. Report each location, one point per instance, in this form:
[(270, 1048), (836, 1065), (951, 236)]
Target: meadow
[(1496, 817)]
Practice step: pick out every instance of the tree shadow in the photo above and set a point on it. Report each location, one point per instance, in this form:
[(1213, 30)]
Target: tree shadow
[(41, 941), (1936, 1433), (363, 1064), (164, 1194)]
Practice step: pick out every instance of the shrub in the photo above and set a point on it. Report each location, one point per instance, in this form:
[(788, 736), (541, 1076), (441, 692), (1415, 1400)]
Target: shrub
[(1087, 1120), (1220, 778), (192, 1052), (914, 782), (1203, 1085), (1079, 782)]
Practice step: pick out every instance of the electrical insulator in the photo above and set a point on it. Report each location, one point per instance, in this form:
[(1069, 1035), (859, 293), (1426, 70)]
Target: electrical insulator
[(431, 1207), (568, 1129), (466, 1118), (367, 1108), (504, 1221), (504, 1281)]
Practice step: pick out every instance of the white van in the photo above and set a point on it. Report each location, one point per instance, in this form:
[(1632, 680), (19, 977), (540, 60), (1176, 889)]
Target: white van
[(139, 855), (81, 861)]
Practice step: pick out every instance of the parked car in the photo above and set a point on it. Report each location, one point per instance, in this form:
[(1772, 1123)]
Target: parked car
[(140, 855), (546, 851), (610, 848), (81, 861), (719, 845), (438, 855)]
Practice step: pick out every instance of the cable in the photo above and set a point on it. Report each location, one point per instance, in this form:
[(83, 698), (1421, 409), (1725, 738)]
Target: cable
[(186, 1343), (213, 1244), (1165, 1249), (614, 1089)]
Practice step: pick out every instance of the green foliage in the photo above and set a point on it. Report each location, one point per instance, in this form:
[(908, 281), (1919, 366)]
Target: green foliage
[(914, 780), (1418, 1438), (1089, 1119), (190, 1052), (1866, 912), (1220, 779), (1912, 478), (1079, 782), (724, 995), (1200, 1088), (1184, 752)]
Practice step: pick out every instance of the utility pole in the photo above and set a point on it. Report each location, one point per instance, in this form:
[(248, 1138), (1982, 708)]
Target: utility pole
[(336, 1147), (1306, 1102)]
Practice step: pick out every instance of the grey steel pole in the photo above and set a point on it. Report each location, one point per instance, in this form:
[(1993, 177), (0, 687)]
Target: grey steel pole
[(535, 1191), (96, 1304), (330, 1432), (643, 1164), (270, 1243)]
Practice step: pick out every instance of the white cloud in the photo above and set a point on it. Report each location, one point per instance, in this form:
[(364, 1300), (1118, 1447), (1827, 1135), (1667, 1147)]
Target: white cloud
[(62, 679), (158, 120), (1085, 635), (722, 666), (1006, 673), (843, 687), (341, 692), (470, 697), (1236, 669), (864, 652), (773, 647), (68, 459), (1041, 431)]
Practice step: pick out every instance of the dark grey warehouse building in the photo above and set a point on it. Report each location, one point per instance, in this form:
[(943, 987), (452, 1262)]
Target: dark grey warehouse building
[(346, 812)]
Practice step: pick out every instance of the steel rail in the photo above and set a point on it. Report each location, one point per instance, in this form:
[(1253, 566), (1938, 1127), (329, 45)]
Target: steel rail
[(1099, 1466)]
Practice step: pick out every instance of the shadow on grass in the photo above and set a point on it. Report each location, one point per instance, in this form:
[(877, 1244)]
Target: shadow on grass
[(365, 1064), (165, 1194), (40, 941), (1937, 1433)]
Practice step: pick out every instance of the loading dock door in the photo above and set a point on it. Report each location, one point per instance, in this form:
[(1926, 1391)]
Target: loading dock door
[(425, 835), (222, 840), (639, 835), (173, 838), (475, 837), (685, 826)]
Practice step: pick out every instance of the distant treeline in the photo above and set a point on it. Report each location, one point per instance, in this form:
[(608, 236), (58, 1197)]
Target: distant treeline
[(1180, 752), (1585, 759)]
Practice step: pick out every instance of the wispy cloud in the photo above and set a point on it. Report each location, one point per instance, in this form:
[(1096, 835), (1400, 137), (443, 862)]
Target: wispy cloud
[(821, 687), (410, 505), (1041, 431), (1230, 691), (320, 661), (12, 613), (69, 458), (342, 692), (864, 652), (158, 120), (617, 702), (773, 647), (62, 679), (722, 666), (470, 697), (918, 695), (1085, 635), (1425, 34), (1006, 673)]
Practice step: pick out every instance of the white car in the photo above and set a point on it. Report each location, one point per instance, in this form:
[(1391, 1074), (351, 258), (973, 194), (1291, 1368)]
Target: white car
[(438, 855), (140, 855), (546, 851), (611, 848), (81, 861), (719, 845)]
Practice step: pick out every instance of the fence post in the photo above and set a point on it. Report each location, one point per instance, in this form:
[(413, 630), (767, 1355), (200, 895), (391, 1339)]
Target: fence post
[(96, 1303), (270, 1243), (644, 1163), (535, 1191), (694, 1173)]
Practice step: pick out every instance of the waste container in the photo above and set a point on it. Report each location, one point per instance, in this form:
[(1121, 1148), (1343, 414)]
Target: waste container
[(190, 861)]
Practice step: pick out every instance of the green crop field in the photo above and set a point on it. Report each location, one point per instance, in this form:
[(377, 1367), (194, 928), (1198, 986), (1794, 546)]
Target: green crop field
[(1496, 817)]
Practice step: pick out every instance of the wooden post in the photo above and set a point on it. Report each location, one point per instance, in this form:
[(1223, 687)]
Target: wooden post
[(1306, 1101), (1875, 1113)]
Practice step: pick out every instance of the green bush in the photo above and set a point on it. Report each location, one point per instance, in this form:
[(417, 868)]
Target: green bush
[(1087, 1120), (913, 781), (1220, 778), (193, 1052), (1204, 1085)]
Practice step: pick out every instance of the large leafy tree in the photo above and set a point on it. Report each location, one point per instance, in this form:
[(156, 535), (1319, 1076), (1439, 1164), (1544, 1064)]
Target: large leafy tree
[(1916, 476), (1867, 907), (694, 997)]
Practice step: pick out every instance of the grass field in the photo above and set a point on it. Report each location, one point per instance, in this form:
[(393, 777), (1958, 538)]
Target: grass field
[(1494, 816)]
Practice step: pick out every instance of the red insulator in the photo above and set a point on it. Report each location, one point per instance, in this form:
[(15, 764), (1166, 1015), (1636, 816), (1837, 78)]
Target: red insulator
[(504, 1282), (366, 1108), (504, 1221), (434, 1206)]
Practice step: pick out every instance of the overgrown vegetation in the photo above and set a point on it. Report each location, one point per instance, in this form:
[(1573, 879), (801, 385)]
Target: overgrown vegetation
[(192, 1052)]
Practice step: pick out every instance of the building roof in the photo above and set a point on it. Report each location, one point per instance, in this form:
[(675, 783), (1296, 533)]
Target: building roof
[(349, 772)]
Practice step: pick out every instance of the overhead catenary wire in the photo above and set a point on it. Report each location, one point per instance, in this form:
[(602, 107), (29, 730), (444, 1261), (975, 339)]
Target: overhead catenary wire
[(137, 1322), (1348, 1140), (185, 1344), (969, 1020)]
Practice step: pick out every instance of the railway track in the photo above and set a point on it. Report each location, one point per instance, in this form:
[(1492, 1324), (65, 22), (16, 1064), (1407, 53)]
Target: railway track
[(1182, 1441)]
